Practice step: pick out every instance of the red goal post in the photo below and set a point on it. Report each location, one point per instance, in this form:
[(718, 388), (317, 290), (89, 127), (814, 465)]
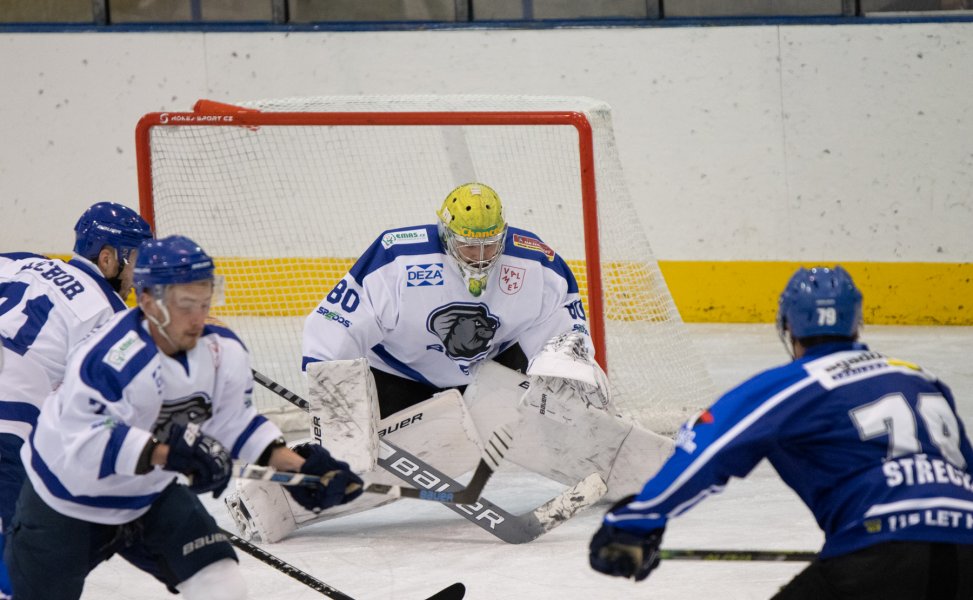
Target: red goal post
[(252, 170)]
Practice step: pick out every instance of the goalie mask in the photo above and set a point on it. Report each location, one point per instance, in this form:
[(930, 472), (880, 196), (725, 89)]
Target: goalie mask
[(472, 228)]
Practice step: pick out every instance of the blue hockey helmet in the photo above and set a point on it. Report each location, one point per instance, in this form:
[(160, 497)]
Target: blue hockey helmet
[(109, 224), (820, 301), (171, 260)]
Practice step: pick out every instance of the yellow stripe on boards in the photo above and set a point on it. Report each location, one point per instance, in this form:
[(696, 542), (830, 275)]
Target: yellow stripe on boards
[(895, 293)]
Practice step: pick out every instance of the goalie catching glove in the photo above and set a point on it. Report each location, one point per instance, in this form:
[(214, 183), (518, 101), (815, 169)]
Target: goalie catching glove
[(621, 553), (199, 457), (565, 366), (344, 486)]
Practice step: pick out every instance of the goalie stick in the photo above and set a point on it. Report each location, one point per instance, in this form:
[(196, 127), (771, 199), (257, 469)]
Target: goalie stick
[(466, 495), (455, 591), (511, 528), (744, 555)]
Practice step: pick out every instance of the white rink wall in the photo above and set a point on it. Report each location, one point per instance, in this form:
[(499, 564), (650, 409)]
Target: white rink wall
[(834, 142)]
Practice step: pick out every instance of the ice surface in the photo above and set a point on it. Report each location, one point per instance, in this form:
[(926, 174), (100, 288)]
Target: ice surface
[(410, 549)]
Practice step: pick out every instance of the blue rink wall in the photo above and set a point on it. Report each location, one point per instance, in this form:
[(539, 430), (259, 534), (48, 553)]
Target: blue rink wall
[(748, 149)]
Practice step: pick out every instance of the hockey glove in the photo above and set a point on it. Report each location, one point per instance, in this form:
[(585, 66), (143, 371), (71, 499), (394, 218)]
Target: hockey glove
[(565, 367), (621, 553), (343, 487), (201, 458)]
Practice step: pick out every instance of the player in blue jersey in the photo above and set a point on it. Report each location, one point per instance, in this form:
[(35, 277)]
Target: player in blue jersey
[(47, 307), (156, 392), (871, 444)]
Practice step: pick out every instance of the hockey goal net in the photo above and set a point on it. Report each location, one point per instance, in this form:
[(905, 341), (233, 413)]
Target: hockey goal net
[(286, 194)]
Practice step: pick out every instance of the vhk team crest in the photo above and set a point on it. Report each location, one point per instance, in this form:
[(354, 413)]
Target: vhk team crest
[(511, 279)]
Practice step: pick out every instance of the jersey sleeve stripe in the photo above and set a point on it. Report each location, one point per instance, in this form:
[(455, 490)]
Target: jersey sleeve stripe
[(244, 436), (112, 450), (19, 411), (723, 440), (57, 489)]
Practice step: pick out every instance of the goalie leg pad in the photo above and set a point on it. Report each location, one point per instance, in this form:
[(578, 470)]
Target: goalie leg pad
[(266, 512), (344, 411), (437, 430), (562, 438)]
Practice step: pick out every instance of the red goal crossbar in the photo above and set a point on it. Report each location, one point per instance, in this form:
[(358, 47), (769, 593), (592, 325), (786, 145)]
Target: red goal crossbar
[(208, 113)]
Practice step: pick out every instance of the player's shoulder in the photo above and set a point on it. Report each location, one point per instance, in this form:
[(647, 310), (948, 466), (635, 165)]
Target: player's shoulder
[(853, 362), (12, 263), (773, 384), (527, 247), (414, 240), (9, 257), (76, 284), (217, 330), (115, 354)]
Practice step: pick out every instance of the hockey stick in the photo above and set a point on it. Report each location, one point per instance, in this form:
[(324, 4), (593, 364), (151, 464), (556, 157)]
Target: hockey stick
[(470, 493), (455, 591), (744, 555), (511, 528), (285, 567)]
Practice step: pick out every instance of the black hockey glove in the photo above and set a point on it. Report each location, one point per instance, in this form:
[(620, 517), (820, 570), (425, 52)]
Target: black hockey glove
[(201, 458), (343, 487), (621, 553)]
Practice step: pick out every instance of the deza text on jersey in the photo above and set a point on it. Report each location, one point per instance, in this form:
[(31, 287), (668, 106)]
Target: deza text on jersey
[(66, 282)]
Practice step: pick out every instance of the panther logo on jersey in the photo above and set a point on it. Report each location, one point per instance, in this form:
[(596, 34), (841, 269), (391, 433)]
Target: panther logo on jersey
[(466, 329), (195, 409)]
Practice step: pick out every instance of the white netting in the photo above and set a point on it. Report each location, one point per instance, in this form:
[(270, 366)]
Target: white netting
[(286, 209)]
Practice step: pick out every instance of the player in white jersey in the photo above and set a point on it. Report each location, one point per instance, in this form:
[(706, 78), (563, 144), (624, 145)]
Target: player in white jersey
[(424, 309), (47, 307), (155, 392)]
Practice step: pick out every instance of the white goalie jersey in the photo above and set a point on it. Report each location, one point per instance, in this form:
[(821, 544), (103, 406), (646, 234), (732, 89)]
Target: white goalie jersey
[(405, 306)]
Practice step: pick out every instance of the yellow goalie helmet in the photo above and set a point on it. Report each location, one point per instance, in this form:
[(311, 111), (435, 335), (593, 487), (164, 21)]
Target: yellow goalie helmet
[(473, 229)]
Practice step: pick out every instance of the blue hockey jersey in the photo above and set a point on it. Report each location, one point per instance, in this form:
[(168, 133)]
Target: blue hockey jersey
[(871, 444)]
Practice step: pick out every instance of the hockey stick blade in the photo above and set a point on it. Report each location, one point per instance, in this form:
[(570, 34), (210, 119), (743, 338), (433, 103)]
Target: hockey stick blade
[(457, 591), (511, 528), (740, 555)]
